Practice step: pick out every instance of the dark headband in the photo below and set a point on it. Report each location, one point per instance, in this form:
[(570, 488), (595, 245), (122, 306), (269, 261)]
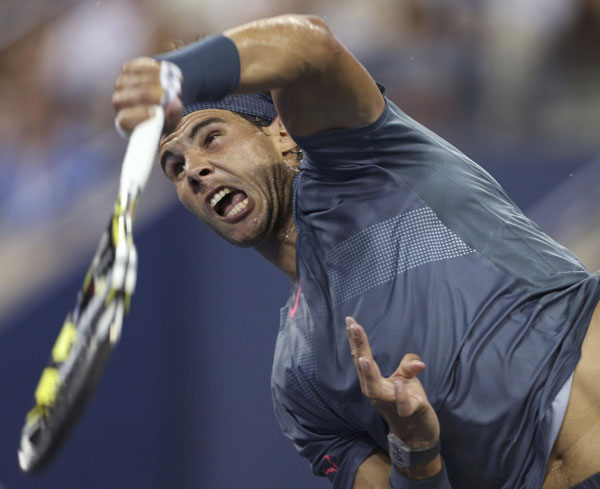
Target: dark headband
[(255, 104)]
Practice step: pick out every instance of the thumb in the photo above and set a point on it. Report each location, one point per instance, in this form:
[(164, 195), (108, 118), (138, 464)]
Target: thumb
[(410, 366), (406, 404)]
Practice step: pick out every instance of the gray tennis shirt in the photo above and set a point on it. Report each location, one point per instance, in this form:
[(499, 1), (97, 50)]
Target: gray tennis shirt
[(423, 247)]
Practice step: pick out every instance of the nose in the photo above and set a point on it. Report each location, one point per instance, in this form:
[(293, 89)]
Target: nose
[(197, 174)]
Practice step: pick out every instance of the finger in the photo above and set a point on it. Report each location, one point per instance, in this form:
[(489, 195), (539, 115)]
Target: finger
[(370, 379), (130, 117), (369, 375), (150, 94), (354, 335), (127, 80), (141, 65), (359, 342), (410, 366)]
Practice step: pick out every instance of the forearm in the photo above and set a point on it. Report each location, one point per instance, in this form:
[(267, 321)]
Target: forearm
[(426, 471), (433, 476), (278, 52), (317, 84), (374, 472)]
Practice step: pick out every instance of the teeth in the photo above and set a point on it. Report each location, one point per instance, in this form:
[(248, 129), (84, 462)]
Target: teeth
[(238, 208), (218, 196)]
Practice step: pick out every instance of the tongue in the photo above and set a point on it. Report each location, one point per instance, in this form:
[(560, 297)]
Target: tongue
[(236, 198)]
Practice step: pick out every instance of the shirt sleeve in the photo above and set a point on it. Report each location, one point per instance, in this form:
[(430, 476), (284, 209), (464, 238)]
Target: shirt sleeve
[(439, 481), (392, 142), (341, 153), (335, 455)]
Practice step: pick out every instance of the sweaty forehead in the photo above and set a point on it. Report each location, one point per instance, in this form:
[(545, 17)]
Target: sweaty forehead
[(192, 122)]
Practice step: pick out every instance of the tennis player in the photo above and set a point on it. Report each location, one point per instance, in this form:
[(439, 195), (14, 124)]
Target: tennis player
[(395, 243)]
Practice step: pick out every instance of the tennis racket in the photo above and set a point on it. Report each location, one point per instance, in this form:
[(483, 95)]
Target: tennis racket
[(93, 327)]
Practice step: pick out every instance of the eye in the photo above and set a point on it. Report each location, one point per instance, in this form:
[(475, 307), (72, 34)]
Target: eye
[(211, 137), (177, 168)]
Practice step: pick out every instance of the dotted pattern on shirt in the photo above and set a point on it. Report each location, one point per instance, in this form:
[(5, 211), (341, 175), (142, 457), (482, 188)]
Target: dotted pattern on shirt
[(384, 250), (300, 369)]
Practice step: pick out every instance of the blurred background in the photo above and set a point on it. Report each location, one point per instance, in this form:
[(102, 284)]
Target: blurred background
[(185, 401)]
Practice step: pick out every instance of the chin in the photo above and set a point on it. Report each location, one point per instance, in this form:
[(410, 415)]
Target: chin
[(243, 241), (246, 234)]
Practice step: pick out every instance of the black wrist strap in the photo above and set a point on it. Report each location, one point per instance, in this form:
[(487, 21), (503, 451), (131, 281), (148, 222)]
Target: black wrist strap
[(210, 68), (404, 456)]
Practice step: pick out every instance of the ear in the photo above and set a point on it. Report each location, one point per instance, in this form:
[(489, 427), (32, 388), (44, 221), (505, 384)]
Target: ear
[(282, 137)]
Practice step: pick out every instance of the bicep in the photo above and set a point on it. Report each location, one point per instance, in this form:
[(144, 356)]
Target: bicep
[(342, 95), (317, 84), (374, 472)]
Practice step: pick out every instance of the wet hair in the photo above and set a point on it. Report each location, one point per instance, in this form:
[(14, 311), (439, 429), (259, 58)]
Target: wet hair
[(257, 121), (260, 123)]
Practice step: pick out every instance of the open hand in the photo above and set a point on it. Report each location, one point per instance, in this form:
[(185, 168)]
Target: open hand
[(400, 398)]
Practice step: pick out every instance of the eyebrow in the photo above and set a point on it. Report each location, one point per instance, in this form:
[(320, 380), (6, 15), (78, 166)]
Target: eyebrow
[(191, 135), (202, 124)]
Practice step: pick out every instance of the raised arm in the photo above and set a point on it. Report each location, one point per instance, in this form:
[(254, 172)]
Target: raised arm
[(316, 83)]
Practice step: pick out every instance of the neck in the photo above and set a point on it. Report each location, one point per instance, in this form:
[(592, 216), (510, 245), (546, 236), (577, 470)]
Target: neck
[(281, 251), (280, 248)]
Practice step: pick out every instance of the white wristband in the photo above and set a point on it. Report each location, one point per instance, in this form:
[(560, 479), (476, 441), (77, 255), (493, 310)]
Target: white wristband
[(170, 79)]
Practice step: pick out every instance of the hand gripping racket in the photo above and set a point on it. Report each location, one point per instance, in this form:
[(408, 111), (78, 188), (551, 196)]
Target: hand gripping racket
[(92, 328)]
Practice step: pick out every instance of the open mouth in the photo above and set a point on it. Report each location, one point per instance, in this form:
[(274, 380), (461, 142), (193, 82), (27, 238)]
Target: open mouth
[(229, 202)]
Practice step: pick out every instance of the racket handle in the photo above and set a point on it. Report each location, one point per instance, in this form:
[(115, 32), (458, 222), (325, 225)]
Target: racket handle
[(141, 152)]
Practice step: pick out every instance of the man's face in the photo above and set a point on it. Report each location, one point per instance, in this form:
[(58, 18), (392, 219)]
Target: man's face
[(229, 173)]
